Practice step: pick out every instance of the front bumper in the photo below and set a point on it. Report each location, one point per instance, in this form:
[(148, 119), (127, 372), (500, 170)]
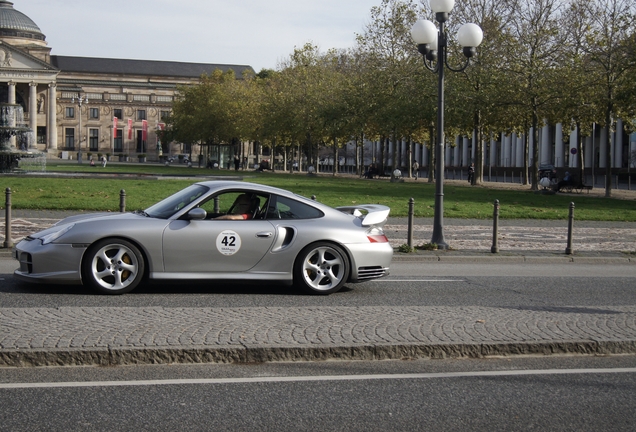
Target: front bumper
[(51, 263)]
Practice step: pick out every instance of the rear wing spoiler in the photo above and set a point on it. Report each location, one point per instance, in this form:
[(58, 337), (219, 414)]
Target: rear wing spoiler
[(371, 214)]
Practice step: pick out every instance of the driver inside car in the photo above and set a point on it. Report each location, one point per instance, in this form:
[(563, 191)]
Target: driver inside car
[(244, 207)]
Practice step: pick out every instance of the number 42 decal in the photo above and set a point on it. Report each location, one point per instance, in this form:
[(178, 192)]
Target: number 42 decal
[(228, 242)]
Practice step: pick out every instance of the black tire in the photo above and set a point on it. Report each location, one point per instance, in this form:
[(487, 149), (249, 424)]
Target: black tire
[(321, 268), (113, 266)]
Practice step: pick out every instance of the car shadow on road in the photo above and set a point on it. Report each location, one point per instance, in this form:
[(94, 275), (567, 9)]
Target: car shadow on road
[(163, 288)]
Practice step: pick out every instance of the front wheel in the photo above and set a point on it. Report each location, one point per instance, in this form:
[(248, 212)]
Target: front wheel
[(321, 268), (113, 266)]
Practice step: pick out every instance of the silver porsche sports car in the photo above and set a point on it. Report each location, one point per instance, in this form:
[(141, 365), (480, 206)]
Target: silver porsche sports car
[(222, 230)]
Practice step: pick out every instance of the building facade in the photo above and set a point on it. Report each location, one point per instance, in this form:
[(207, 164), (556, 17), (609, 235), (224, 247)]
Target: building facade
[(79, 105)]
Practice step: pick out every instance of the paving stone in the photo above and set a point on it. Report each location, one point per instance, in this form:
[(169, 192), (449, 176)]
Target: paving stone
[(307, 333)]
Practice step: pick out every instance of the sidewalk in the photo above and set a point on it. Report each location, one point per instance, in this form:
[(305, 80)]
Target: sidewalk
[(151, 335), (117, 336)]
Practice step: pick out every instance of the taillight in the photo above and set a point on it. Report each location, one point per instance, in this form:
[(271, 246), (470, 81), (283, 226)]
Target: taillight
[(379, 238)]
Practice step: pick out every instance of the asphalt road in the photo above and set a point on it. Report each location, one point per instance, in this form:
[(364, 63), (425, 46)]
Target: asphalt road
[(568, 393), (523, 394), (410, 284)]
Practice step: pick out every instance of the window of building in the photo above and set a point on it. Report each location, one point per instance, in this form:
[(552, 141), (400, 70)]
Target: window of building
[(141, 144), (165, 115), (69, 138), (141, 114), (93, 113), (118, 144), (70, 112), (117, 112), (41, 134), (93, 139)]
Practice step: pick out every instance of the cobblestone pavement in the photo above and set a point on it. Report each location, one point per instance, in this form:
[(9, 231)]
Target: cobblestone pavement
[(550, 237), (107, 336)]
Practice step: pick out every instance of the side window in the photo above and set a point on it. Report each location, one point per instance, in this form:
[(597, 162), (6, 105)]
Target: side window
[(285, 208), (225, 203)]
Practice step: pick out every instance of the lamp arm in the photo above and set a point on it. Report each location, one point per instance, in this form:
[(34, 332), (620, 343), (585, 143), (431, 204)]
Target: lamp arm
[(433, 67), (460, 69)]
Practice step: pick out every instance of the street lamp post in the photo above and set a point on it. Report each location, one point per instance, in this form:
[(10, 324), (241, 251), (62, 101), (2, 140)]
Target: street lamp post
[(433, 44), (80, 100)]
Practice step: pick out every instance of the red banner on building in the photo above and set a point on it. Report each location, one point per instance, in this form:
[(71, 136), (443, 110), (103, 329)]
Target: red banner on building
[(115, 127), (129, 129), (144, 130)]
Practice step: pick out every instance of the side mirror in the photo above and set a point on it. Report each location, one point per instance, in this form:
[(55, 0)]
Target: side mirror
[(197, 214)]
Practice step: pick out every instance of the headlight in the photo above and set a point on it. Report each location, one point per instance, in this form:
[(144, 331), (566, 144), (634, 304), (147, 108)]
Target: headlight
[(56, 235)]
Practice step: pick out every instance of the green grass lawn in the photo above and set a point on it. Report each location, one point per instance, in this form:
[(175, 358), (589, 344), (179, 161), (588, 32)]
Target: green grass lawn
[(102, 194)]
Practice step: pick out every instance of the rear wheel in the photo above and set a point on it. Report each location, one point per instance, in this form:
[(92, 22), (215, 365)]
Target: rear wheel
[(321, 268), (113, 266)]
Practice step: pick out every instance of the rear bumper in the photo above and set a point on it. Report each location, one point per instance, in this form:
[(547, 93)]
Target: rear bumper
[(369, 261)]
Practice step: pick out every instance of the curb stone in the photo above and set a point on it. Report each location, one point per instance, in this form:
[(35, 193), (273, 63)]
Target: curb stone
[(261, 354)]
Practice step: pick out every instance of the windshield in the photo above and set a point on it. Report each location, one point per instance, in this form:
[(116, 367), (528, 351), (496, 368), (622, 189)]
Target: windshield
[(169, 206)]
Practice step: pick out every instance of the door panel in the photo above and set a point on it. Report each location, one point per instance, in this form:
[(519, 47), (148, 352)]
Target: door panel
[(216, 245)]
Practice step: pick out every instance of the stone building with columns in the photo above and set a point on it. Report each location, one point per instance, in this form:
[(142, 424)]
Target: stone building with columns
[(137, 93)]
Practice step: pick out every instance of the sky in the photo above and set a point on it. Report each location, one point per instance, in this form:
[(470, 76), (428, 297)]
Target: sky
[(258, 33)]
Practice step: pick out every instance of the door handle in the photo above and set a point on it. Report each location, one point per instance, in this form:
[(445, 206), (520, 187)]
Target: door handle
[(264, 234)]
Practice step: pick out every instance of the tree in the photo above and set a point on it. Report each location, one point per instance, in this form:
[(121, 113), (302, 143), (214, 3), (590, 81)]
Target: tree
[(477, 91), (394, 74), (536, 46), (610, 51)]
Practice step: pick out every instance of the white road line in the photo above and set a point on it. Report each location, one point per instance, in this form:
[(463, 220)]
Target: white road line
[(282, 379), (420, 280)]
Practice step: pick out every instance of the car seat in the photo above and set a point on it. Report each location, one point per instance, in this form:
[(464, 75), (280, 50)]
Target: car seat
[(246, 204)]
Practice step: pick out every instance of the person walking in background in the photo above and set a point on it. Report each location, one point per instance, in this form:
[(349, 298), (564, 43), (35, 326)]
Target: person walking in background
[(471, 173), (416, 169)]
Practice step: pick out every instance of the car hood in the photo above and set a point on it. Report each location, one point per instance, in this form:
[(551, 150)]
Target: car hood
[(85, 218), (93, 216)]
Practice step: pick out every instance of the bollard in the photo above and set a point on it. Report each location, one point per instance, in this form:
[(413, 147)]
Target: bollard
[(7, 225), (495, 227), (410, 228), (122, 201), (568, 249)]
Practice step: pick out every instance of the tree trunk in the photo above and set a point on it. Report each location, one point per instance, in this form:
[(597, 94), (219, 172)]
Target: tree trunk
[(579, 153), (431, 159), (478, 177), (608, 148), (335, 156), (535, 150)]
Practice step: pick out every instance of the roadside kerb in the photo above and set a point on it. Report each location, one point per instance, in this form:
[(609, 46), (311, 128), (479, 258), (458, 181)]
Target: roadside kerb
[(243, 355)]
